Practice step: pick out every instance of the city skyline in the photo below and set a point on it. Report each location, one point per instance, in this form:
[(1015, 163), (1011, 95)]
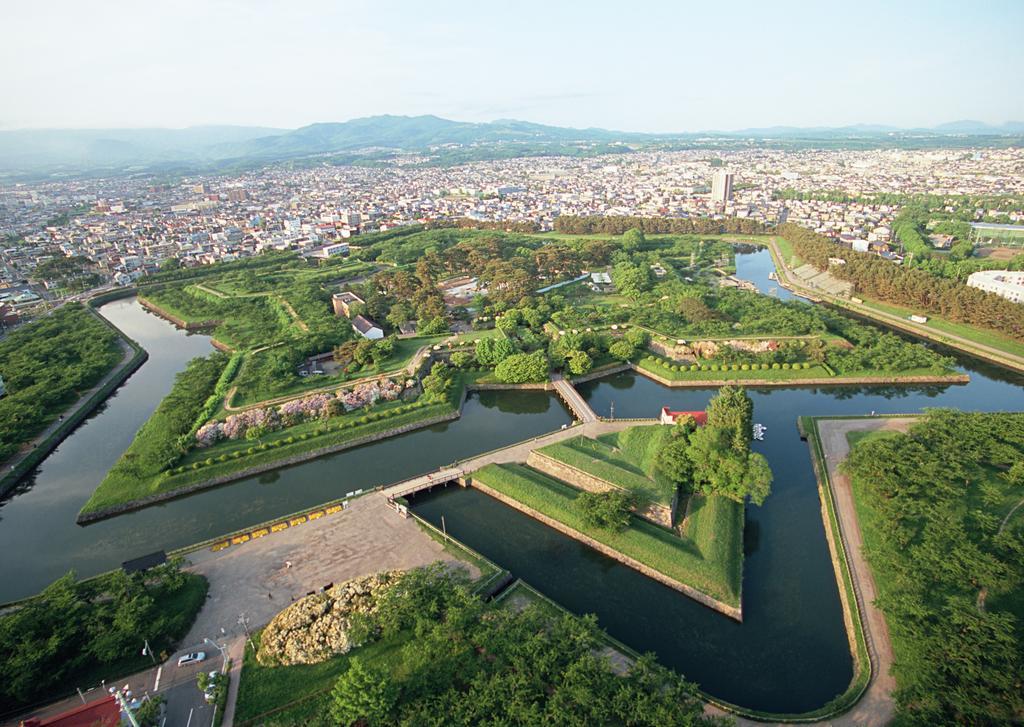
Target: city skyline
[(697, 68)]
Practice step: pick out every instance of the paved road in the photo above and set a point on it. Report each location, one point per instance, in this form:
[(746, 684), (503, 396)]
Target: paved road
[(1003, 357), (261, 577)]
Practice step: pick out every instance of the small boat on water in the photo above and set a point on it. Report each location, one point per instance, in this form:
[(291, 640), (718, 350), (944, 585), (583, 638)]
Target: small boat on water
[(772, 275), (759, 430)]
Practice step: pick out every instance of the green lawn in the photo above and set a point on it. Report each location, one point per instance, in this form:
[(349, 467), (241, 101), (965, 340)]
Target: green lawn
[(710, 559), (790, 257), (605, 460), (252, 389)]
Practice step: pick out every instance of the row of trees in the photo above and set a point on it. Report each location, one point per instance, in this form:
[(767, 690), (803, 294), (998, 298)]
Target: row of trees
[(876, 278), (46, 365), (657, 225), (470, 665), (949, 563)]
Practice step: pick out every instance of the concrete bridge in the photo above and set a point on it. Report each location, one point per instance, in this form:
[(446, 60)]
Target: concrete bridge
[(577, 405)]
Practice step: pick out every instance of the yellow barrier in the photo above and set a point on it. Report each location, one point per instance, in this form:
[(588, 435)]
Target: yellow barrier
[(277, 527)]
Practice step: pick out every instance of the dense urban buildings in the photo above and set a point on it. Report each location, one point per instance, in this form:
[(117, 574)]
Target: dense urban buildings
[(115, 230)]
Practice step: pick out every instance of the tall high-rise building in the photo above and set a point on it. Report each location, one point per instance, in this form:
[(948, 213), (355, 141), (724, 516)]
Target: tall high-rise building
[(721, 187)]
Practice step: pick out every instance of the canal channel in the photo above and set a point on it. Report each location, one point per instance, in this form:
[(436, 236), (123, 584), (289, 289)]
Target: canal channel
[(790, 654)]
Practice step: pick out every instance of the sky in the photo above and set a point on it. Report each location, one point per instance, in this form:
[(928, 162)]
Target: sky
[(637, 66)]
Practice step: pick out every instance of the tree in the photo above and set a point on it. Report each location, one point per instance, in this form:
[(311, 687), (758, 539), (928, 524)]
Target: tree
[(492, 351), (622, 350), (579, 363), (611, 510), (732, 409), (461, 359), (632, 240), (362, 695), (148, 713), (720, 469), (522, 368)]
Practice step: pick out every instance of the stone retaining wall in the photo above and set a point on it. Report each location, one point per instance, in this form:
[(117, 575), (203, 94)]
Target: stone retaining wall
[(831, 381), (538, 386), (702, 598), (142, 502), (656, 513)]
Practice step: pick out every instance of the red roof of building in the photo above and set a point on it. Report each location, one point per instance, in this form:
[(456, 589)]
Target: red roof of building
[(98, 713), (700, 417)]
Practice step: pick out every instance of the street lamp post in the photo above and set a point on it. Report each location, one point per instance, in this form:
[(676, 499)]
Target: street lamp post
[(223, 653)]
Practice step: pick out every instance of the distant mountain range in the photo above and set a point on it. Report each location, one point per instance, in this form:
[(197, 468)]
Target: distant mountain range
[(74, 151)]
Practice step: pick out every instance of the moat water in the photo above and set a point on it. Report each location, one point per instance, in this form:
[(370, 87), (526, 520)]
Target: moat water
[(790, 654)]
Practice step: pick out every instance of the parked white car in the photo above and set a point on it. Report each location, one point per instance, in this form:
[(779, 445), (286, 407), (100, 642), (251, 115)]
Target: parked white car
[(194, 658)]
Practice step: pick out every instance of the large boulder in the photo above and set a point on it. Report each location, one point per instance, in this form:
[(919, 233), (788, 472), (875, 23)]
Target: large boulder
[(316, 627)]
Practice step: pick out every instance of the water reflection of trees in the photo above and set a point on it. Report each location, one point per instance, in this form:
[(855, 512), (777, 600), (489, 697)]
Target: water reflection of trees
[(517, 402)]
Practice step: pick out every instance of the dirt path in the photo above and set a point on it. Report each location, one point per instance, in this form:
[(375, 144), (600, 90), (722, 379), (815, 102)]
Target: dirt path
[(876, 707)]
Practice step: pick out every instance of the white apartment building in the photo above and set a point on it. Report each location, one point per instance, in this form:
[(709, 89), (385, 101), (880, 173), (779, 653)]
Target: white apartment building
[(1005, 283)]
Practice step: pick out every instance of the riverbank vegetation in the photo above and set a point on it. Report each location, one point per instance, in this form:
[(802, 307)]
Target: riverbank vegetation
[(470, 663), (79, 633), (941, 511), (46, 366)]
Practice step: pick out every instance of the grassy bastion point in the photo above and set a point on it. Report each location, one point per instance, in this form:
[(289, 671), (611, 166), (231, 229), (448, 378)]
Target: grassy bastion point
[(705, 562)]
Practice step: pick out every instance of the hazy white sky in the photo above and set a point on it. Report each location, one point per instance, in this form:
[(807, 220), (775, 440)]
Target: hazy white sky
[(637, 66)]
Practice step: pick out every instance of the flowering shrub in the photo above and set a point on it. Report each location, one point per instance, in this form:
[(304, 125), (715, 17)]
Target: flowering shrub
[(252, 423)]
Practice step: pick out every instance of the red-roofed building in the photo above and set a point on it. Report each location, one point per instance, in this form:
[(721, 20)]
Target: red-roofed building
[(98, 713), (671, 417)]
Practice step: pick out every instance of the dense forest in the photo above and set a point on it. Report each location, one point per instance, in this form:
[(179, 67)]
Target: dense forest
[(46, 365), (77, 633), (879, 279), (947, 549)]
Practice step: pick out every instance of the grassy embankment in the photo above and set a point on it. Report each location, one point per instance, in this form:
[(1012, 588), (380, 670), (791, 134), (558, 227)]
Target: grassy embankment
[(709, 556), (625, 459), (126, 483), (662, 368)]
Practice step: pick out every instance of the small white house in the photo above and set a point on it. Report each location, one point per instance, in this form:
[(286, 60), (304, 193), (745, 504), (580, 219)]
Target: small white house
[(367, 328)]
